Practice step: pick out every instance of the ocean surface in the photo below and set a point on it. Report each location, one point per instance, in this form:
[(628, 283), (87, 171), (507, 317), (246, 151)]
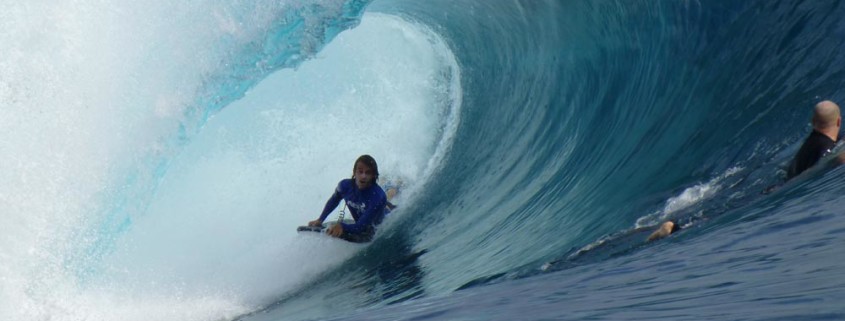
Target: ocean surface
[(158, 155)]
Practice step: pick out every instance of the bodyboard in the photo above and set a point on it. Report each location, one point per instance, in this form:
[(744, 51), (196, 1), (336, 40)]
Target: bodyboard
[(318, 229)]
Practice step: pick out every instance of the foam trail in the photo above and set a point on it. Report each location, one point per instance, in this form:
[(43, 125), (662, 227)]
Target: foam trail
[(689, 197)]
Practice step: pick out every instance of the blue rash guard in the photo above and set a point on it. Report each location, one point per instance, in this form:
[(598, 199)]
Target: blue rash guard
[(366, 206)]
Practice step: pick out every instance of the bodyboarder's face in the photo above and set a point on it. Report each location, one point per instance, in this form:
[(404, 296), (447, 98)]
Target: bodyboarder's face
[(364, 175)]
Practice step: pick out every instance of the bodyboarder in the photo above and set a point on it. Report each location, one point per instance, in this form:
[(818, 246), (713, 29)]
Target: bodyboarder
[(365, 200)]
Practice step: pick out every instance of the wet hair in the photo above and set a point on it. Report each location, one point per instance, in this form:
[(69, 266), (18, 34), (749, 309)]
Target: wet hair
[(370, 162), (675, 227)]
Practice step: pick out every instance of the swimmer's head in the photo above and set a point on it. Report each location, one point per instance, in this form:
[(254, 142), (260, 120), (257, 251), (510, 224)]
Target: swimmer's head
[(826, 115), (675, 226)]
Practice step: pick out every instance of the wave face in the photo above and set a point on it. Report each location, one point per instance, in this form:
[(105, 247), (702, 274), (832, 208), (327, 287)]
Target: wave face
[(158, 157)]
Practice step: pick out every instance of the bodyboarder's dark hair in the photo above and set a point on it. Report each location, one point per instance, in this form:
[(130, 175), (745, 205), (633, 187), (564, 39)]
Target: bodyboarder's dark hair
[(370, 162)]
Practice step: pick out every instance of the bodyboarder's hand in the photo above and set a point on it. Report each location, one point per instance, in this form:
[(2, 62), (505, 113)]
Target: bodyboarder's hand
[(335, 230)]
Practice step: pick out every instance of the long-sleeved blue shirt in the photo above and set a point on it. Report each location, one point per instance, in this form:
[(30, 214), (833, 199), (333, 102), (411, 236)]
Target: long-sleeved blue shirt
[(366, 206)]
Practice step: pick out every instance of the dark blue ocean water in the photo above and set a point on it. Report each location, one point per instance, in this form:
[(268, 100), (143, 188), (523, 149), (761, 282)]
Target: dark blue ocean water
[(159, 157)]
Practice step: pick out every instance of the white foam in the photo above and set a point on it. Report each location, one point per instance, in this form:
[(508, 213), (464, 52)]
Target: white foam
[(689, 197), (75, 91)]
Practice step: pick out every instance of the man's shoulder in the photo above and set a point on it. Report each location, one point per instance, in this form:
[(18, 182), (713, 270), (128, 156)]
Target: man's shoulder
[(816, 146), (820, 139), (378, 196), (378, 191), (344, 184)]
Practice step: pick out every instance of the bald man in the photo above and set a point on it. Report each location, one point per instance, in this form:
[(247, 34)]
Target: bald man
[(826, 124)]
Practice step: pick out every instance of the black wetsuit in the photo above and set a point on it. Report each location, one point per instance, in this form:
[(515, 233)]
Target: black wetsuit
[(815, 147)]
